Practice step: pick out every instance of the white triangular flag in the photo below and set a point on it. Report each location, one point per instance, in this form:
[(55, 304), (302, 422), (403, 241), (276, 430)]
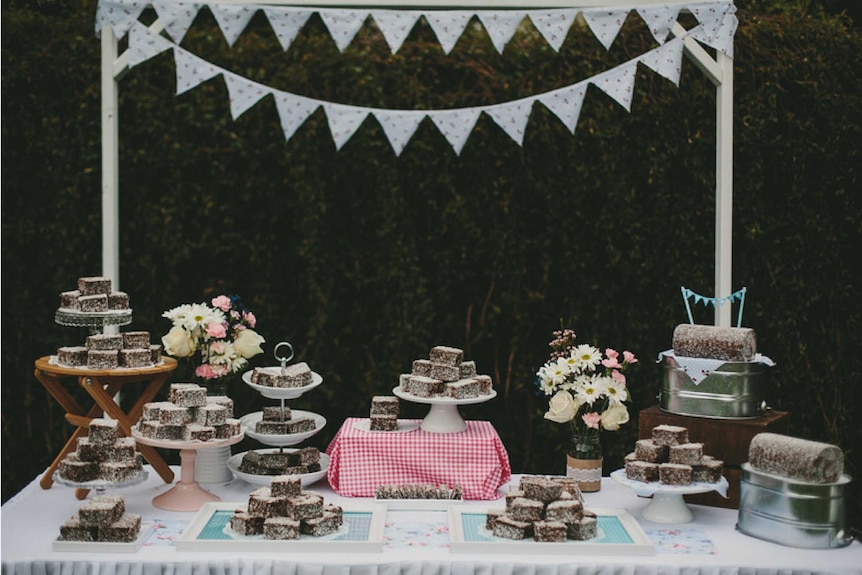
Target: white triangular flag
[(343, 25), (144, 44), (232, 19), (399, 126), (293, 111), (192, 70), (618, 83), (501, 25), (710, 15), (286, 23), (448, 25), (659, 19), (120, 15), (243, 93), (456, 125), (343, 121), (554, 25), (723, 40), (395, 25), (606, 23), (512, 117), (176, 16), (666, 60), (566, 103)]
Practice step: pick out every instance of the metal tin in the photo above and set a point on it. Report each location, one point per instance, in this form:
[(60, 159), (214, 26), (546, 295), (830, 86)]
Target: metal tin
[(735, 390), (793, 513)]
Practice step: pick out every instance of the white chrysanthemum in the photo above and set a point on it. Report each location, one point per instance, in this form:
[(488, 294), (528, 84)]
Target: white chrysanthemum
[(200, 315), (178, 314), (587, 355), (590, 391), (546, 383), (616, 393)]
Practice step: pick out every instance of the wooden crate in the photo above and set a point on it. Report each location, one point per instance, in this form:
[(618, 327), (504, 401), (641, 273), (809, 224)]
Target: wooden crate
[(724, 439)]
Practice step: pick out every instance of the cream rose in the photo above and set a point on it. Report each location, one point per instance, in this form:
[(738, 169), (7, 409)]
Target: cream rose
[(178, 343), (247, 343), (561, 407), (615, 416)]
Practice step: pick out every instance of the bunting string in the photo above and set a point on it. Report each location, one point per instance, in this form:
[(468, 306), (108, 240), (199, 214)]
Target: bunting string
[(716, 302), (717, 19), (399, 126)]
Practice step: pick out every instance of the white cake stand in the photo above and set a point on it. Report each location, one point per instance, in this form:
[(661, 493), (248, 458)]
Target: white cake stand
[(186, 494), (668, 505), (100, 486), (249, 423), (443, 417)]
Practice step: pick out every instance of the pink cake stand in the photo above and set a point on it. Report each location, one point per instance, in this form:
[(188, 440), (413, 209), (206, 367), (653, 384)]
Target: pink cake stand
[(186, 494)]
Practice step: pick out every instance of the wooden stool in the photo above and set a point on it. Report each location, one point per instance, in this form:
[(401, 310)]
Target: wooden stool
[(103, 385)]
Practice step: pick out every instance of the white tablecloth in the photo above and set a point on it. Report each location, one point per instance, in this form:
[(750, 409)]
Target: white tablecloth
[(31, 520)]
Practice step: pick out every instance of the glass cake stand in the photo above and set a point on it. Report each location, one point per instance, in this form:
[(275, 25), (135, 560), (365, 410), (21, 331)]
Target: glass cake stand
[(95, 321), (100, 486), (668, 505), (186, 494), (443, 417)]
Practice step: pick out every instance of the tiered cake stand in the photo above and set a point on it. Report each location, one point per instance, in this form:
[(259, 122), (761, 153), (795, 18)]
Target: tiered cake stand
[(186, 494), (95, 321), (279, 442), (443, 417)]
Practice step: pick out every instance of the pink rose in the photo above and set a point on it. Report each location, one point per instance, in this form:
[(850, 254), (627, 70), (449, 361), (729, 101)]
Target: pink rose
[(249, 319), (222, 302), (629, 357), (216, 330), (205, 371), (611, 353), (618, 377), (592, 419)]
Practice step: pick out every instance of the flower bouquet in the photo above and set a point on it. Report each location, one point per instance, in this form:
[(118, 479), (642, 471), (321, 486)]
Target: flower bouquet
[(587, 390), (221, 335)]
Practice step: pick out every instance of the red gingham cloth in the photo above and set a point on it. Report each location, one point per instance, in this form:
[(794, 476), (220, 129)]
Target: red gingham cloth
[(475, 459)]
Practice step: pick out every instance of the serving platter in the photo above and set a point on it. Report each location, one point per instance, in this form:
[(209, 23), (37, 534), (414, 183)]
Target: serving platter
[(105, 546), (264, 480), (668, 505), (209, 530), (281, 440), (282, 392), (618, 534)]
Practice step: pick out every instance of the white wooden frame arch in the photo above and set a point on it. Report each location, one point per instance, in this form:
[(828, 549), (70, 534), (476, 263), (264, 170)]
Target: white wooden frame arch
[(719, 70)]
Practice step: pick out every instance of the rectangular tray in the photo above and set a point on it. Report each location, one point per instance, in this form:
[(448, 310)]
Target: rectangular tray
[(104, 546), (363, 534), (619, 534)]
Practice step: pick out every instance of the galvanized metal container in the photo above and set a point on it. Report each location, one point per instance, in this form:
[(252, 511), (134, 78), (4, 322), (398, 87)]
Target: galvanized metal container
[(793, 513), (735, 390)]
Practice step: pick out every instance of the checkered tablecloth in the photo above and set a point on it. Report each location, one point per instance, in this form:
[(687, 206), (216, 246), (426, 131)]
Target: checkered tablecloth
[(475, 459)]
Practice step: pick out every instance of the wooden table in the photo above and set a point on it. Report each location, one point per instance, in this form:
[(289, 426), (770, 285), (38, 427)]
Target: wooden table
[(103, 385)]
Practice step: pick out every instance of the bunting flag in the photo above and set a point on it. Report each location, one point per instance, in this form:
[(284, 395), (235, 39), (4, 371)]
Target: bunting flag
[(232, 19), (286, 25), (715, 302), (399, 126), (717, 18), (177, 17), (395, 25)]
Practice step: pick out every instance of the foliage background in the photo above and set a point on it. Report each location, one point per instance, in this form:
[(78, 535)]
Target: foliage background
[(363, 260)]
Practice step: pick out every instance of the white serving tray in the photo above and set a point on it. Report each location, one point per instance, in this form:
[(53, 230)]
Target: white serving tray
[(282, 392), (209, 531), (103, 546), (281, 440), (264, 480), (624, 536)]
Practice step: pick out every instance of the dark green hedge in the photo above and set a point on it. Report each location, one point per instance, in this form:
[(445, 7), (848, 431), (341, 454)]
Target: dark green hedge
[(363, 260)]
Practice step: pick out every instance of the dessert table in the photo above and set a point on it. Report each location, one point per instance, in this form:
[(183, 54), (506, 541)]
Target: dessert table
[(415, 542)]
